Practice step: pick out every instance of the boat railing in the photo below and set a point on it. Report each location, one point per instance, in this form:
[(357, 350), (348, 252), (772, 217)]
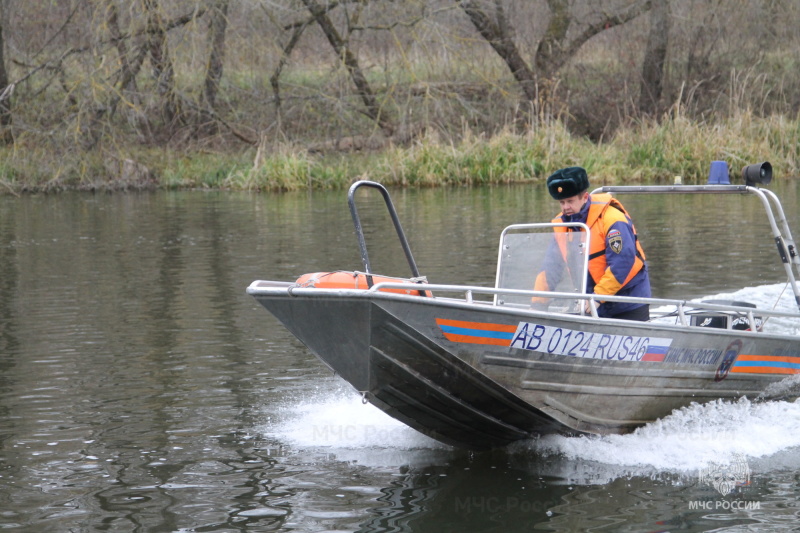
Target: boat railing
[(786, 246), (787, 249), (362, 244), (683, 309)]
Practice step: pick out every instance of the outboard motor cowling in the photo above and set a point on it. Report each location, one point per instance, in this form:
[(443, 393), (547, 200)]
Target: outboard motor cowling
[(725, 319)]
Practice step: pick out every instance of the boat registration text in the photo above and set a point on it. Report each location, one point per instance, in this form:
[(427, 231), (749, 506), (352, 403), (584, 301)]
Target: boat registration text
[(563, 341)]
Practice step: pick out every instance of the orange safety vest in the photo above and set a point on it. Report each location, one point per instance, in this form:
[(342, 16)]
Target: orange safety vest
[(600, 219)]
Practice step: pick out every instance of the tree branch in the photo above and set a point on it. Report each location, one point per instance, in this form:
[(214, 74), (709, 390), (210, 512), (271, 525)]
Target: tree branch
[(498, 32), (609, 21), (373, 109), (55, 63)]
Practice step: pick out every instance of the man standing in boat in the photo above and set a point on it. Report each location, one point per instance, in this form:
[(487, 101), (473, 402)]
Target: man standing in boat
[(616, 259)]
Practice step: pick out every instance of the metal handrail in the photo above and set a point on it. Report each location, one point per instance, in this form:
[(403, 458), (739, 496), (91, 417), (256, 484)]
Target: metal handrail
[(362, 245), (468, 291), (789, 241), (675, 189), (783, 239), (681, 305), (782, 235)]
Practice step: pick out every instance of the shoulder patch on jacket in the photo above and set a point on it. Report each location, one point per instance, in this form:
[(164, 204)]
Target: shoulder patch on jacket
[(614, 239)]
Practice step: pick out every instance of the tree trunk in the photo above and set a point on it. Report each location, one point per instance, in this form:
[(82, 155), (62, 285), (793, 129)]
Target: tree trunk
[(127, 78), (163, 70), (218, 27), (6, 136), (126, 81), (551, 50), (373, 109), (654, 58), (499, 33), (555, 50), (274, 80)]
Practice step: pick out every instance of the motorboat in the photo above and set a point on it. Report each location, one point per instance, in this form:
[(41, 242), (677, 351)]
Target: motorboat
[(481, 367)]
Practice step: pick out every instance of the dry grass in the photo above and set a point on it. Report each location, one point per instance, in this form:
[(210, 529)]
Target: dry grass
[(644, 152)]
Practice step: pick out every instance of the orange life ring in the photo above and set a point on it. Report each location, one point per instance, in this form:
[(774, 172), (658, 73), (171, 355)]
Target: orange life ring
[(354, 280)]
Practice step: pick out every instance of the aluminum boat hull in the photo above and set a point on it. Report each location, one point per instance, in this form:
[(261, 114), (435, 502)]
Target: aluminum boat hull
[(480, 376)]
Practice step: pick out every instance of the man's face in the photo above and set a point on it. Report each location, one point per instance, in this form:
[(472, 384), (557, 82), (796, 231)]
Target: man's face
[(573, 204)]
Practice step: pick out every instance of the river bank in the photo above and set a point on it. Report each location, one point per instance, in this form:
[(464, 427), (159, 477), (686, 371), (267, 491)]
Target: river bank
[(640, 152)]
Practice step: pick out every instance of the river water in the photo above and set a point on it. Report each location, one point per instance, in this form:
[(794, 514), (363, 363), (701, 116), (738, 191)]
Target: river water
[(141, 389)]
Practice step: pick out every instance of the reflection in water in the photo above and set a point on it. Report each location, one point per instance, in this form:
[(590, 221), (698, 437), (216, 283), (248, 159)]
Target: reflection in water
[(141, 389), (9, 280), (482, 493), (498, 492), (646, 481)]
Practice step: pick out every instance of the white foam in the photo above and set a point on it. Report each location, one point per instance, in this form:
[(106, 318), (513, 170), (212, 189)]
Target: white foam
[(337, 424), (691, 438), (339, 419)]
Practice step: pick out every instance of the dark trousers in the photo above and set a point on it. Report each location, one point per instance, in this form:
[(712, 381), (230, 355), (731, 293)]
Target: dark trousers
[(642, 314)]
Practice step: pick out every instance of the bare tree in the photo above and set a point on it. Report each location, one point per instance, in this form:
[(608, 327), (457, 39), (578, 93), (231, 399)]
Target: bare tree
[(340, 45), (163, 70), (493, 25), (113, 73), (654, 57), (703, 43), (125, 83), (216, 37), (556, 47), (6, 90), (274, 79), (552, 49), (127, 71)]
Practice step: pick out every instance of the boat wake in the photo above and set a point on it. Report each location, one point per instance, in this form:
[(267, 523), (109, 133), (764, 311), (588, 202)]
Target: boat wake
[(339, 419), (337, 422), (766, 433), (692, 437)]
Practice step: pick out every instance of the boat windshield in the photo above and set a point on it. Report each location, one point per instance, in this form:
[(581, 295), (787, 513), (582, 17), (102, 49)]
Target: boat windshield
[(556, 254)]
